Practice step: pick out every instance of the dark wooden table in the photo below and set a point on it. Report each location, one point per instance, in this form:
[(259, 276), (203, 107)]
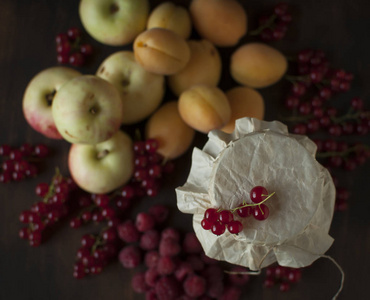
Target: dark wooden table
[(27, 32)]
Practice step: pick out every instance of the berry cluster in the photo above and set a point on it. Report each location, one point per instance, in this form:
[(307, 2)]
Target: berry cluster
[(339, 154), (96, 252), (149, 168), (100, 208), (273, 27), (20, 163), (218, 220), (43, 214), (176, 266), (69, 48), (284, 276), (310, 93)]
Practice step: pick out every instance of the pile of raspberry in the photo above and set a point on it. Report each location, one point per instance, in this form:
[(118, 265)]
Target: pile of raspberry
[(175, 265)]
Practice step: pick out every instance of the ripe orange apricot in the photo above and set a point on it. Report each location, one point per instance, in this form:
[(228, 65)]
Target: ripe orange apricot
[(223, 22), (172, 133), (257, 65), (204, 67), (244, 102), (161, 51), (204, 108)]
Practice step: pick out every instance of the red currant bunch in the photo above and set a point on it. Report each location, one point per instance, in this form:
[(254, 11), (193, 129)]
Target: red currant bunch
[(69, 48), (218, 220), (96, 252), (273, 27), (20, 163), (149, 168), (43, 214)]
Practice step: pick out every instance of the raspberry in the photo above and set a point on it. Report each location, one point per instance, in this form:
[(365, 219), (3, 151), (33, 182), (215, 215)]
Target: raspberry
[(144, 222), (149, 240), (207, 260), (151, 258), (130, 256), (214, 276), (238, 279), (128, 232), (194, 286), (169, 246), (166, 265), (138, 283), (159, 212), (151, 276), (183, 270), (196, 262), (231, 293), (151, 295), (167, 288), (170, 232), (191, 243)]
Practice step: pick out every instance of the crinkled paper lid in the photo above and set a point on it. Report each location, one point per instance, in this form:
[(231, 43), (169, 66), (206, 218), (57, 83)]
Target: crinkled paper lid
[(261, 153)]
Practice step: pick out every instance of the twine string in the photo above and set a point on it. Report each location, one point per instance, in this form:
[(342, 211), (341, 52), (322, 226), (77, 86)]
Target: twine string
[(259, 270)]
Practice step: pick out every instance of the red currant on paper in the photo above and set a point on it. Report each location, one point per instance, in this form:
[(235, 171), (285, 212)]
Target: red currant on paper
[(258, 194)]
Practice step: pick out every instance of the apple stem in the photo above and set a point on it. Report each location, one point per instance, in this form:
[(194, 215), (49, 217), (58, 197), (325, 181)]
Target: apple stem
[(50, 96), (103, 154)]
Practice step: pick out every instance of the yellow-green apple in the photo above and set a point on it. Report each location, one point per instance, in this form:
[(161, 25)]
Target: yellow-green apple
[(102, 167), (114, 22), (87, 109), (141, 91), (38, 99)]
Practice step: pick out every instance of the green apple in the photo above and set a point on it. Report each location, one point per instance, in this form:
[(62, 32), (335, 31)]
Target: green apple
[(103, 167), (39, 96), (141, 91), (114, 22), (87, 109)]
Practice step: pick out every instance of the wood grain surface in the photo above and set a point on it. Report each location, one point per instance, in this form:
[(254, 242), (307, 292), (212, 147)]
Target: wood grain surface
[(27, 46)]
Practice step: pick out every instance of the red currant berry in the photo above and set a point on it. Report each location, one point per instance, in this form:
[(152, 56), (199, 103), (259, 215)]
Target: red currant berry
[(63, 59), (300, 128), (206, 224), (218, 228), (235, 227), (102, 200), (86, 49), (63, 48), (225, 217), (357, 103), (244, 211), (258, 194), (41, 150), (76, 59), (211, 215), (261, 212), (73, 33), (151, 145)]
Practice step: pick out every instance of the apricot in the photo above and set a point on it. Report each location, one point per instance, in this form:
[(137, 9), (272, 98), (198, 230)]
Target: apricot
[(161, 51), (204, 67), (244, 102), (223, 22), (204, 108), (171, 16), (168, 128), (257, 65)]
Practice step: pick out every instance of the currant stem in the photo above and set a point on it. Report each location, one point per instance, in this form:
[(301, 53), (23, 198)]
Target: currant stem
[(343, 154), (350, 115), (294, 78), (51, 190), (252, 204), (268, 24)]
